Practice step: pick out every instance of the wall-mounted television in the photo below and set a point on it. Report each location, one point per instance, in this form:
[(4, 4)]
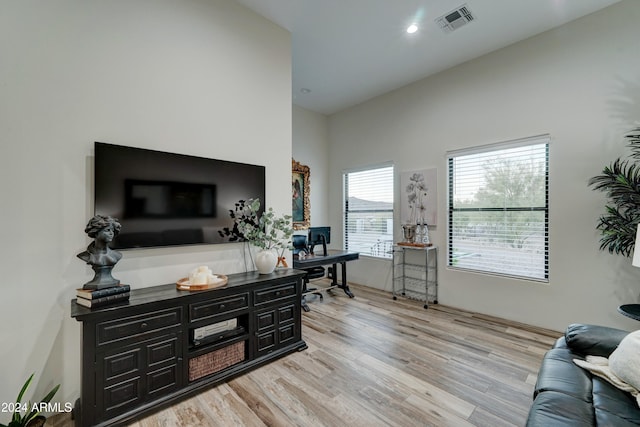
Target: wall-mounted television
[(168, 199)]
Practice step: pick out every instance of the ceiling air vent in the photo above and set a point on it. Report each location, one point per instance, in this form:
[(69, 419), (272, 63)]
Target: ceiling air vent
[(455, 19)]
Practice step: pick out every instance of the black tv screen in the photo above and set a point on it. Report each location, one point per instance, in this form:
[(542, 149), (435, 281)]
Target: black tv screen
[(167, 199)]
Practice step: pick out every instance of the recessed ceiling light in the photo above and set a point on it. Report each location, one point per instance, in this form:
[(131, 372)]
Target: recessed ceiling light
[(412, 28), (305, 90)]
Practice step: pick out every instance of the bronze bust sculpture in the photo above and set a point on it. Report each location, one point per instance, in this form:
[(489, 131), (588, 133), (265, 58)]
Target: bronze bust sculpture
[(99, 255)]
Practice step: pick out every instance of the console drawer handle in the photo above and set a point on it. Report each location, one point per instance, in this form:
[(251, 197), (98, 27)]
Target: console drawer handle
[(143, 325), (222, 306)]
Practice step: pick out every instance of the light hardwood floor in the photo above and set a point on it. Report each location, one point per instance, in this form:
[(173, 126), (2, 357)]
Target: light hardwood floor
[(373, 361)]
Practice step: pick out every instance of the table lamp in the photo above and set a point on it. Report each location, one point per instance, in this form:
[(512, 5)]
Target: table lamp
[(636, 252), (633, 310)]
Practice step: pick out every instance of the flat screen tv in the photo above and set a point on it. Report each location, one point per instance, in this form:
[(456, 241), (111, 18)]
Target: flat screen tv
[(167, 199)]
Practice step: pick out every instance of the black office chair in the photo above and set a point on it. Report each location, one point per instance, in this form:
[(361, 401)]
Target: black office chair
[(299, 245)]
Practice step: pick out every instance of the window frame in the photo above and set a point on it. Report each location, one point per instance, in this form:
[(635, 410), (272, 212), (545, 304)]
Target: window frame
[(346, 211), (543, 139)]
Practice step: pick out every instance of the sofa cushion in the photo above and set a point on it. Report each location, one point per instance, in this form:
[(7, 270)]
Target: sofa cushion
[(551, 409), (606, 418), (593, 340), (613, 406), (610, 407), (625, 360), (558, 373)]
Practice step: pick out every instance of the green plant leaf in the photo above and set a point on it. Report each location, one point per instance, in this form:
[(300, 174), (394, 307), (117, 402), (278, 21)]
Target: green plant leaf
[(50, 395), (255, 205), (38, 421), (16, 419), (45, 399), (24, 388)]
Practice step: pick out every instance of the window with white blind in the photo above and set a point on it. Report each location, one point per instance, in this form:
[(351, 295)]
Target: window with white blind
[(499, 209), (368, 211)]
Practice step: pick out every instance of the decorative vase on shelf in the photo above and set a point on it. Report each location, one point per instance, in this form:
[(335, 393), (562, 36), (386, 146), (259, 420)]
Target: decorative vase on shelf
[(409, 232), (423, 233), (266, 260)]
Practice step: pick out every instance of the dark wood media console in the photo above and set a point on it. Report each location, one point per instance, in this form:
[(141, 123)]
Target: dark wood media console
[(141, 355)]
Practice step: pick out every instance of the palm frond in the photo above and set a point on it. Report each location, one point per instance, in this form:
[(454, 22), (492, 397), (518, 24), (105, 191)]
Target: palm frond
[(618, 230), (621, 183)]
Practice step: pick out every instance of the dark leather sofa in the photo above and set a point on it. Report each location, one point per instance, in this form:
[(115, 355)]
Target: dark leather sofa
[(567, 395)]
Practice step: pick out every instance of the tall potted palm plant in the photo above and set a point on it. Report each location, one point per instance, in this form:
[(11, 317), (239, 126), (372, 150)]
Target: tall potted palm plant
[(620, 181)]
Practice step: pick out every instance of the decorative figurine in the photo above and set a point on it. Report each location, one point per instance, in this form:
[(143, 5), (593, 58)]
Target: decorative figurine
[(99, 255)]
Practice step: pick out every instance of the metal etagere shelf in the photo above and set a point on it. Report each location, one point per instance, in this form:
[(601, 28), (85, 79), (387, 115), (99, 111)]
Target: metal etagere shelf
[(415, 273)]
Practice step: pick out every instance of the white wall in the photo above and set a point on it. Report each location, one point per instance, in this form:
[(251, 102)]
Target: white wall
[(200, 77), (311, 148), (578, 83)]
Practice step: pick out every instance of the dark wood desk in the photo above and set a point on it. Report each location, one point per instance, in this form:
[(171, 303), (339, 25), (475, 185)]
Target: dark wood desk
[(332, 258)]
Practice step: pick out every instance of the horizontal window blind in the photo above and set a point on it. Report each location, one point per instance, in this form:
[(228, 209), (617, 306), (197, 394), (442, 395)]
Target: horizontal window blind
[(498, 209), (368, 211)]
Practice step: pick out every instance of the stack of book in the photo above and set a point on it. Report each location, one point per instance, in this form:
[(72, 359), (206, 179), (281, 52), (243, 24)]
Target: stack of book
[(101, 297)]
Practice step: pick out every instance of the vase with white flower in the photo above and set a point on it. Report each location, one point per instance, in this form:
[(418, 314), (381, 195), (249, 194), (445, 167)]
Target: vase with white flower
[(269, 233)]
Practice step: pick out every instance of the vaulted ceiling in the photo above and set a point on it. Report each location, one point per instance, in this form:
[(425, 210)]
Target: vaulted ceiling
[(345, 52)]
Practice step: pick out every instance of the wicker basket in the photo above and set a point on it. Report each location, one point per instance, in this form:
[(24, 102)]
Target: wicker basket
[(215, 361)]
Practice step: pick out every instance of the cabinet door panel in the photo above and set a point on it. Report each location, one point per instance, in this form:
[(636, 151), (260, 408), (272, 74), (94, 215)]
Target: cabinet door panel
[(286, 313), (266, 320), (286, 333), (122, 395), (163, 351), (121, 364), (276, 326), (267, 341), (162, 380), (136, 373)]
